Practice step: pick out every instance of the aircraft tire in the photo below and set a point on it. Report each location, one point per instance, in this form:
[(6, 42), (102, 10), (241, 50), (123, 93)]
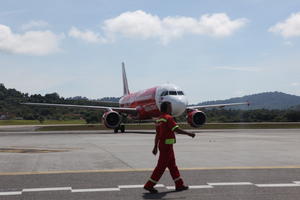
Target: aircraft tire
[(122, 128), (116, 130)]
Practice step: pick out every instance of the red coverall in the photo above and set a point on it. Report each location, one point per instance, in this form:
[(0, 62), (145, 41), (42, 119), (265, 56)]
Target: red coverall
[(165, 129)]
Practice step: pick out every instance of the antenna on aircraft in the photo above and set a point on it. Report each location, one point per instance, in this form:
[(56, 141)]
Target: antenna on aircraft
[(125, 83)]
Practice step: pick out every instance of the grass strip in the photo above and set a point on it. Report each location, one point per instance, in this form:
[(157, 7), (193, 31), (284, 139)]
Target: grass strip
[(149, 126), (36, 122)]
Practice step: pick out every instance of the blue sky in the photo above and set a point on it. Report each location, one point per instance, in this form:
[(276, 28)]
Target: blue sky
[(211, 49)]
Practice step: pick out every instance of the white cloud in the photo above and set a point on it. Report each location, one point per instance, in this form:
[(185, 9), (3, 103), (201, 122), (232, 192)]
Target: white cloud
[(29, 43), (35, 24), (295, 84), (289, 28), (142, 25), (245, 69), (139, 24), (87, 35), (288, 43)]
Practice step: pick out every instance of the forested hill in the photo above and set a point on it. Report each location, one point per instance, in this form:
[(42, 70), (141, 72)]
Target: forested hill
[(266, 100), (10, 107)]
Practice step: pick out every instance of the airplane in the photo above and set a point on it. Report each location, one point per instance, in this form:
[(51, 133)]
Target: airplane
[(145, 104)]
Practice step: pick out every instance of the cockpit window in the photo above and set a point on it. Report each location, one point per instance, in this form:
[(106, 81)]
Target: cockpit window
[(172, 93), (164, 93)]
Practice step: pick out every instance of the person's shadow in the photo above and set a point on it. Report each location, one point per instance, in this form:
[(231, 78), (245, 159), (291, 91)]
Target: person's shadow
[(160, 195)]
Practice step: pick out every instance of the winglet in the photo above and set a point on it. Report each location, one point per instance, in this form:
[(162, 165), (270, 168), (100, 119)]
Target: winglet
[(125, 83)]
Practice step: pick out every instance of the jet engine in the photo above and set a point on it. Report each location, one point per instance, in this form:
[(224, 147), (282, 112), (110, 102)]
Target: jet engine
[(196, 118), (112, 119)]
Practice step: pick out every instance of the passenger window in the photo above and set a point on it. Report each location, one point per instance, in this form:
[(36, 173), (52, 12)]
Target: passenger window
[(172, 93)]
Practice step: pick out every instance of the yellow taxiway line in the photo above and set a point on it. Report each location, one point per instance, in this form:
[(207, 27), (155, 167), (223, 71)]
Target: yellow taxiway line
[(143, 170)]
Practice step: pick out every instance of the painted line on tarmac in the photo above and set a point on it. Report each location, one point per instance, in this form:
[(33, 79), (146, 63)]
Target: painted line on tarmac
[(138, 186), (230, 183), (200, 187), (10, 193), (86, 190), (192, 187), (170, 187), (159, 185), (278, 185), (130, 186), (96, 190), (47, 189), (144, 170)]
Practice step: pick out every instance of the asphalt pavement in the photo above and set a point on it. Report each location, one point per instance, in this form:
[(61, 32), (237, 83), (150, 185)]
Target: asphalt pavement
[(217, 164)]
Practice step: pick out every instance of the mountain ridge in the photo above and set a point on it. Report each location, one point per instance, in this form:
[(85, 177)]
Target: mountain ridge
[(264, 100)]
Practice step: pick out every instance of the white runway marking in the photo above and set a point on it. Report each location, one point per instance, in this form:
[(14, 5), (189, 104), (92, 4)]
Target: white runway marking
[(170, 187), (97, 190), (279, 185), (10, 193), (159, 185), (209, 186), (200, 186), (230, 183), (130, 186), (192, 187), (46, 189)]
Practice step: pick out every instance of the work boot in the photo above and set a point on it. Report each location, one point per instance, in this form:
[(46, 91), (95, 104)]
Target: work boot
[(152, 190), (181, 188)]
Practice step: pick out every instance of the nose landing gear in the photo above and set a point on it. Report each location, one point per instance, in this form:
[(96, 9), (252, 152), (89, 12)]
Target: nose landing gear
[(121, 128)]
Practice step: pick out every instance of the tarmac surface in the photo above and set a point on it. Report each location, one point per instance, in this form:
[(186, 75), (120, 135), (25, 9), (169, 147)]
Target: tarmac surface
[(217, 164)]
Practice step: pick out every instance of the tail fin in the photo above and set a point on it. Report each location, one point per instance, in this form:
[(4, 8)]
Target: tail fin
[(125, 83)]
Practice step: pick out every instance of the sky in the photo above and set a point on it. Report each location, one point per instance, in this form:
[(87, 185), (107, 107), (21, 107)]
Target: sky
[(212, 49)]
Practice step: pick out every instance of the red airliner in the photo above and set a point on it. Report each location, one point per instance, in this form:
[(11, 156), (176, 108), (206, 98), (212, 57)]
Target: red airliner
[(144, 105)]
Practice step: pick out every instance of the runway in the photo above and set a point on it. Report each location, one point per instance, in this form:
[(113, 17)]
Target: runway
[(240, 164)]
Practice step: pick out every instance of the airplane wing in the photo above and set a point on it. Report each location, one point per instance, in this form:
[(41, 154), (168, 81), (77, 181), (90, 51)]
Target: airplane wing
[(108, 102), (105, 108), (218, 105)]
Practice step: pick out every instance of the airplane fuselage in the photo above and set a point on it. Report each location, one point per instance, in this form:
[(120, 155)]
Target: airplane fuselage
[(147, 101)]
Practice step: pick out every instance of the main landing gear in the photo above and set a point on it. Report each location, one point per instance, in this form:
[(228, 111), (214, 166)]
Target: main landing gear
[(121, 128)]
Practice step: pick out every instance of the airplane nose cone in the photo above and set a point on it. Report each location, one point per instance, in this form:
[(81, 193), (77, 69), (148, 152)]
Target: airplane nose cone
[(178, 106)]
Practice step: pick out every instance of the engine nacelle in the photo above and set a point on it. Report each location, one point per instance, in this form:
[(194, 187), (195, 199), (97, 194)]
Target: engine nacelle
[(112, 119), (196, 118)]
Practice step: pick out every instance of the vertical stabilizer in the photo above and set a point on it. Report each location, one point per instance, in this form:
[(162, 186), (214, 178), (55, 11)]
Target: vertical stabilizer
[(125, 83)]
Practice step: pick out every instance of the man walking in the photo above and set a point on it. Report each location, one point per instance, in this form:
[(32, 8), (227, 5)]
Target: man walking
[(164, 140)]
